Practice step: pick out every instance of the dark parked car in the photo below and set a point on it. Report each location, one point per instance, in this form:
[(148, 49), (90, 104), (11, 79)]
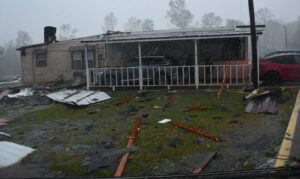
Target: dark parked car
[(280, 67), (153, 69)]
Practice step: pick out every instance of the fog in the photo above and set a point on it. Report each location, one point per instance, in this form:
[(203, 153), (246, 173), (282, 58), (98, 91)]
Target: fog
[(86, 17)]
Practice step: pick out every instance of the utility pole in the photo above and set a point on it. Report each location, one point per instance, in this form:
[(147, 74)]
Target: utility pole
[(253, 44), (286, 41)]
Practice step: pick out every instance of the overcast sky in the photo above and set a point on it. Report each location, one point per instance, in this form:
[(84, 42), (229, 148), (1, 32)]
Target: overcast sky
[(87, 15)]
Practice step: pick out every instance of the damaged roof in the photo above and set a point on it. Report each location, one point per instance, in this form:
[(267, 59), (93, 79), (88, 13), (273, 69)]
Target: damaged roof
[(178, 34)]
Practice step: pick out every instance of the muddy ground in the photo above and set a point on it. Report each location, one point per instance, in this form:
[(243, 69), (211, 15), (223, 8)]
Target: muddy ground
[(68, 138)]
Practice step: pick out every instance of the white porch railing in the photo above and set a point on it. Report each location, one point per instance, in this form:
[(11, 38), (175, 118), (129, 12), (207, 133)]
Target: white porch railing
[(208, 75)]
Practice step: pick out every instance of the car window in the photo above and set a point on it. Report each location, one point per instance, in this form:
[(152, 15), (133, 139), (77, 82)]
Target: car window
[(297, 59), (283, 59)]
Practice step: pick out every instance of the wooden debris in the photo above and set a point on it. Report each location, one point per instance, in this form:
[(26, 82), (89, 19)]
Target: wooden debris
[(170, 101), (130, 143), (203, 164), (223, 82), (124, 100), (195, 106), (191, 129)]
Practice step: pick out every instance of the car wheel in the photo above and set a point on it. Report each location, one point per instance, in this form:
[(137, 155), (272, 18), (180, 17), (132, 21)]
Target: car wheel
[(272, 78)]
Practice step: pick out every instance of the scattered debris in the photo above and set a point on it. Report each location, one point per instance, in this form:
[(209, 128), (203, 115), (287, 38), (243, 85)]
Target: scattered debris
[(191, 129), (261, 105), (170, 101), (11, 153), (4, 93), (102, 158), (131, 141), (223, 82), (174, 142), (5, 134), (203, 164), (3, 122), (199, 140), (23, 92), (157, 107), (78, 98), (195, 106), (256, 93), (130, 111), (122, 101)]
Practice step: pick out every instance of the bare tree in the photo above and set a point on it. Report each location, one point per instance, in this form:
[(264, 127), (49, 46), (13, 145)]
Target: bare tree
[(263, 15), (110, 22), (178, 15), (67, 32), (147, 25), (233, 22), (210, 20), (23, 39), (133, 24)]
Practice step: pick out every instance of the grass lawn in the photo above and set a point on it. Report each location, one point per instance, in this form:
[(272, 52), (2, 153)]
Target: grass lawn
[(64, 125)]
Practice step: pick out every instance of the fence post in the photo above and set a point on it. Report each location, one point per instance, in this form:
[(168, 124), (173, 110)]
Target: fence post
[(196, 66), (140, 68), (86, 68)]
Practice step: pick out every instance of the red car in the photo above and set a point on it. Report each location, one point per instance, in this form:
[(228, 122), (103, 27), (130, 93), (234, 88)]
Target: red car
[(280, 67)]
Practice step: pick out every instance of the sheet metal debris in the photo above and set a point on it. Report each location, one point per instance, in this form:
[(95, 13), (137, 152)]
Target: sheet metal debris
[(5, 134), (263, 101), (130, 143), (23, 92), (79, 97), (195, 106), (203, 164), (11, 153), (191, 129)]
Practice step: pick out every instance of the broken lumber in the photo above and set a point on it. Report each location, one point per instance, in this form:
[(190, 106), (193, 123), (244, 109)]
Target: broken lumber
[(195, 107), (131, 141), (203, 164), (223, 82), (122, 101), (170, 101), (191, 129)]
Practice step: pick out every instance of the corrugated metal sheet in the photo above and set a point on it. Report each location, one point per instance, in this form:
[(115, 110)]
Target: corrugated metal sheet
[(79, 97), (11, 153)]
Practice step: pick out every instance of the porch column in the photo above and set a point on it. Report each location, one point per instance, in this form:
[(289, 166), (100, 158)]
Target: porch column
[(140, 68), (196, 65), (86, 68)]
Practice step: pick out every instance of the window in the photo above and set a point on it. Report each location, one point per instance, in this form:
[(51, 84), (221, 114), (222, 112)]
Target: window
[(41, 59), (283, 59), (297, 59), (78, 59), (90, 57)]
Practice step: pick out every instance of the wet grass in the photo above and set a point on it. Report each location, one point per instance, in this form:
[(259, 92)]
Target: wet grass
[(153, 138)]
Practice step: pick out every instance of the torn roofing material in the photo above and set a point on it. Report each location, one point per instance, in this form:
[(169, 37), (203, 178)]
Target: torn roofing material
[(79, 97), (11, 153)]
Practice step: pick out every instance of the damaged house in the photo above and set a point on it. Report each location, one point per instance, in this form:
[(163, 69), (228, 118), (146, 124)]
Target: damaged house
[(189, 57)]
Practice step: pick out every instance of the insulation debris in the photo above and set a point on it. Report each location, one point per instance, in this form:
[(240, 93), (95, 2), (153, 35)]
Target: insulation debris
[(23, 92), (11, 153), (79, 97)]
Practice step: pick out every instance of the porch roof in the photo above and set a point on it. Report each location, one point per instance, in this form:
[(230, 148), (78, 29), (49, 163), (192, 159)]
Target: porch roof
[(168, 35)]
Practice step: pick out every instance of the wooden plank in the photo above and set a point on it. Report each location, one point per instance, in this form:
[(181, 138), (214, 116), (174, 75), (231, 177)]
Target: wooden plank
[(130, 143), (204, 163)]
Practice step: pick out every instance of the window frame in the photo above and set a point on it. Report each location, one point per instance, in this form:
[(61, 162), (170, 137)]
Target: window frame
[(41, 62)]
